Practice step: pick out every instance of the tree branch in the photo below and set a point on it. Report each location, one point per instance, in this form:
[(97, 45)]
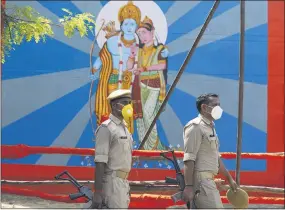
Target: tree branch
[(31, 21)]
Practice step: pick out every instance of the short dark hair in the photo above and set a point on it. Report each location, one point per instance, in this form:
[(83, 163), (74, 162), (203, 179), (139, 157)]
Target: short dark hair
[(204, 99)]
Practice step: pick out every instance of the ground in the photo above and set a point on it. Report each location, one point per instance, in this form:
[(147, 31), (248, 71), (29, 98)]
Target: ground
[(15, 201)]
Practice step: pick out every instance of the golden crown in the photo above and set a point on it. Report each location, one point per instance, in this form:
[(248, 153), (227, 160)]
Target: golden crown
[(129, 11), (145, 21)]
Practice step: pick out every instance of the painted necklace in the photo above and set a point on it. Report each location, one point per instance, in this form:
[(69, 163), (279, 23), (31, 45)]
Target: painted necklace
[(121, 62)]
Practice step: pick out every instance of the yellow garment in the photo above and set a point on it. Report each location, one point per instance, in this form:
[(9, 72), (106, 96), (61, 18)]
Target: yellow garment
[(102, 106), (105, 86), (148, 57)]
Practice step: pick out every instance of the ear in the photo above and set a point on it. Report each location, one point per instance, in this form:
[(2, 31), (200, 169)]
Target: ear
[(203, 107)]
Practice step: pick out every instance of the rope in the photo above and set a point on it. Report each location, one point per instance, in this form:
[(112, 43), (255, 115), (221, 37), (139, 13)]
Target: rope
[(21, 150), (137, 200)]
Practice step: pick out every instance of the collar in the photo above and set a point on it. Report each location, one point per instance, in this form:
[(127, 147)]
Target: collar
[(116, 120), (208, 122)]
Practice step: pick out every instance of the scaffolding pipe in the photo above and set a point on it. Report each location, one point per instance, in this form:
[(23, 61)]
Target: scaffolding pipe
[(179, 74), (241, 88)]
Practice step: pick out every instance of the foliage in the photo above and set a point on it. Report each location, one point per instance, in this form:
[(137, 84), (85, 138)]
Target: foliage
[(26, 24)]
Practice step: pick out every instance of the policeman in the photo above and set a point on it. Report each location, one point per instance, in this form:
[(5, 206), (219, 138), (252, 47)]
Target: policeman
[(201, 155), (113, 154)]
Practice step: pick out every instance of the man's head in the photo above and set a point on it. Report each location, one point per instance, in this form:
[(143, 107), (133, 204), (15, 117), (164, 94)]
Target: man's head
[(118, 99), (208, 105)]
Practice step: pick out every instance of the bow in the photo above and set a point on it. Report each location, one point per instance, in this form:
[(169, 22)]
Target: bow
[(92, 82)]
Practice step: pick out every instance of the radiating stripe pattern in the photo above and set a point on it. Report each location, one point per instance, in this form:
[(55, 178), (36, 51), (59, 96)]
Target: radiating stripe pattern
[(26, 97)]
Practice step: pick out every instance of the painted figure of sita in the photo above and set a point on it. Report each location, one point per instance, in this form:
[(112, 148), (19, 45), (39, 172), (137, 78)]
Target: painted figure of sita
[(133, 58)]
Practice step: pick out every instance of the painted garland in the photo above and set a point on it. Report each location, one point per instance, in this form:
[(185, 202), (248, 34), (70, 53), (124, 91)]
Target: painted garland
[(121, 62)]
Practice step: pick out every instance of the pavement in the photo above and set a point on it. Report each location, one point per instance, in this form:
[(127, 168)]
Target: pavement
[(15, 201)]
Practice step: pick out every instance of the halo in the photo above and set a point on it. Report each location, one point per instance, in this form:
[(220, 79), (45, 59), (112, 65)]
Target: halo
[(148, 8)]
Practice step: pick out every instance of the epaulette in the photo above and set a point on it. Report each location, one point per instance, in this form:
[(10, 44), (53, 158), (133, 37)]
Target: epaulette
[(196, 121), (106, 122), (103, 124)]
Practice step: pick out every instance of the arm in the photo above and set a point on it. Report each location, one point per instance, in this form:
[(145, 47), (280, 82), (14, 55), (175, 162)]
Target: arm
[(130, 63), (100, 168), (188, 172), (224, 171), (103, 138), (162, 57), (157, 67), (192, 142), (97, 65)]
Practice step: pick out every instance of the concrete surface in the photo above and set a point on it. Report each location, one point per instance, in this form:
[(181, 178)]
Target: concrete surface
[(15, 201)]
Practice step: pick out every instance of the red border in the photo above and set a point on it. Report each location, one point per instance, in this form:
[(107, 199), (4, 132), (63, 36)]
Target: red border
[(275, 119), (40, 172), (273, 176)]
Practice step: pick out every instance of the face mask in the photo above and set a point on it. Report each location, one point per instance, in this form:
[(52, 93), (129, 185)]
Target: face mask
[(127, 112), (216, 112)]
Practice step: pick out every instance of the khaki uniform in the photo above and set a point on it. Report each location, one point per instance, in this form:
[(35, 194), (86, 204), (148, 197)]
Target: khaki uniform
[(201, 144), (114, 147)]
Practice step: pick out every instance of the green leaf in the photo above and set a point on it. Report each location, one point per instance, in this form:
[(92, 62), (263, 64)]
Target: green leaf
[(26, 24)]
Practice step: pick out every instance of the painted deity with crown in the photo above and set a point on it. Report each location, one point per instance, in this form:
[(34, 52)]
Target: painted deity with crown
[(149, 87), (119, 47)]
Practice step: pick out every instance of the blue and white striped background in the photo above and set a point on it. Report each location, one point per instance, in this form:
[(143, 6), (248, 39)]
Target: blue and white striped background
[(45, 86)]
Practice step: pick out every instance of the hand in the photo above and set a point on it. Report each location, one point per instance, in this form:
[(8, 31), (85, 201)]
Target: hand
[(96, 201), (94, 74), (233, 184), (94, 70), (138, 71), (130, 63), (188, 194), (134, 50), (165, 53)]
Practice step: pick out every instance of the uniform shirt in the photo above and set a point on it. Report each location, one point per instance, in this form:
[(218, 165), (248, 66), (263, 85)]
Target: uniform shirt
[(114, 145), (200, 145)]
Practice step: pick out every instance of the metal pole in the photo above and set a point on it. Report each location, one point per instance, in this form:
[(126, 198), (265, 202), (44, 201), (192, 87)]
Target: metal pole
[(182, 68), (241, 80)]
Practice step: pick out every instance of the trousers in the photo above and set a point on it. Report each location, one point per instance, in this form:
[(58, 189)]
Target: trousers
[(116, 192), (209, 196)]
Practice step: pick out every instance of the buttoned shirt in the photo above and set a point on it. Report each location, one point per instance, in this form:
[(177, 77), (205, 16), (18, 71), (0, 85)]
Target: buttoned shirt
[(114, 145), (201, 144)]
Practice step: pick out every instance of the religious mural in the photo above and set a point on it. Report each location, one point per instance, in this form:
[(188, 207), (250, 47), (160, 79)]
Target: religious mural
[(141, 46), (132, 57)]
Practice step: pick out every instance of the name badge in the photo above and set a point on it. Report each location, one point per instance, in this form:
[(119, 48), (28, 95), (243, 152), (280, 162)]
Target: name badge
[(123, 137)]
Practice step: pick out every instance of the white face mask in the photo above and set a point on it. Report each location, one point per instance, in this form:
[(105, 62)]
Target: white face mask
[(216, 112)]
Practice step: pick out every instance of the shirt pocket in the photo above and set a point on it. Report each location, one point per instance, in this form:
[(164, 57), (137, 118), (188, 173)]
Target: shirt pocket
[(213, 142), (124, 143)]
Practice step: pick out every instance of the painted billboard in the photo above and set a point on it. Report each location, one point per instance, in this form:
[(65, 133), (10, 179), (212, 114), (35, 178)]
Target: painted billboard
[(45, 87)]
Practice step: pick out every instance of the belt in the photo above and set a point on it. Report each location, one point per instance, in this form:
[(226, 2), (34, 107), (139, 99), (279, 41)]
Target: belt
[(122, 174), (206, 175)]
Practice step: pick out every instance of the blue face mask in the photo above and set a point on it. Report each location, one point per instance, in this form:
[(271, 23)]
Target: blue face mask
[(129, 26)]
